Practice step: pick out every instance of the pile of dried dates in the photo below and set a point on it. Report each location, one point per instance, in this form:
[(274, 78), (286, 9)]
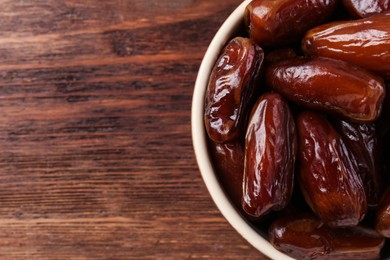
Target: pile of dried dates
[(298, 122)]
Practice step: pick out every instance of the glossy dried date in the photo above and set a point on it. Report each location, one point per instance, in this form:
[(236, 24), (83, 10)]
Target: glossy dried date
[(329, 85), (383, 215), (364, 42), (360, 9), (230, 88), (361, 140), (306, 237), (328, 173), (228, 161), (270, 150), (279, 22)]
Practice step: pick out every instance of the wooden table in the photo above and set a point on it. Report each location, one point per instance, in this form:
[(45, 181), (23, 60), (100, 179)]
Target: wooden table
[(97, 160)]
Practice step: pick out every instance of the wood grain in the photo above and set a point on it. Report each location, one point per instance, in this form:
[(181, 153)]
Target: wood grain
[(97, 159)]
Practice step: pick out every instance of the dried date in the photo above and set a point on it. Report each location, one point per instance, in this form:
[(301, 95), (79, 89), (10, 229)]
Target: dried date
[(304, 236), (279, 22), (230, 89), (364, 42), (228, 160), (270, 150), (361, 140), (328, 173), (329, 85)]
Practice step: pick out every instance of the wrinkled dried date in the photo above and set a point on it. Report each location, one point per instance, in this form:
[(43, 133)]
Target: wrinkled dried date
[(328, 173), (361, 140), (329, 85), (230, 88), (365, 8), (364, 42), (272, 22), (228, 160), (383, 215), (306, 237), (270, 151)]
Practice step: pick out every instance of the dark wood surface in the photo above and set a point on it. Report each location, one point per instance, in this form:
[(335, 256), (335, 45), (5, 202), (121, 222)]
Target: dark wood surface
[(96, 159)]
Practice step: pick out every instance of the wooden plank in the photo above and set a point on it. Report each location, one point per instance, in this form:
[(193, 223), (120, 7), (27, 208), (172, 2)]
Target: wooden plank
[(97, 160)]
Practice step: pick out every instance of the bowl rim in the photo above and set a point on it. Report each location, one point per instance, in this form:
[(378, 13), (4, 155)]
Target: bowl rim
[(200, 144)]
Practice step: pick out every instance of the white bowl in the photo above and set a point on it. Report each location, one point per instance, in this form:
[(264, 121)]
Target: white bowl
[(199, 139)]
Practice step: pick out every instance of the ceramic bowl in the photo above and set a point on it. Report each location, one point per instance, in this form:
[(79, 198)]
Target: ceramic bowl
[(199, 136)]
